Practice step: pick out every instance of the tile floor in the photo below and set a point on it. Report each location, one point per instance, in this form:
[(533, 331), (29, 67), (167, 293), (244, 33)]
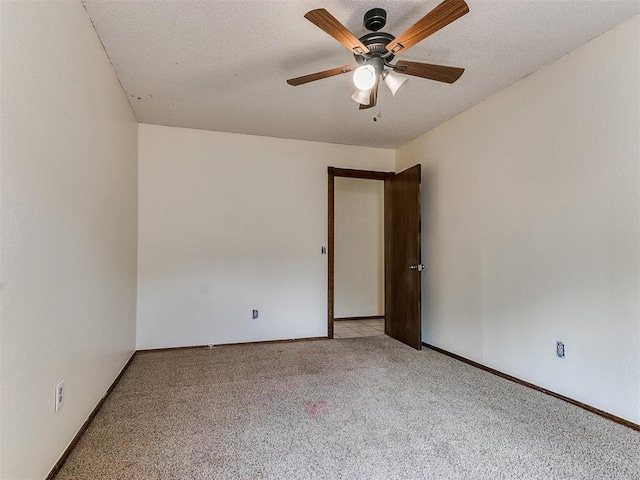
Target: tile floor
[(358, 328)]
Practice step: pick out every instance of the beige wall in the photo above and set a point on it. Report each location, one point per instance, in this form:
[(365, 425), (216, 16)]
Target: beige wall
[(531, 213), (359, 247), (229, 223), (68, 207)]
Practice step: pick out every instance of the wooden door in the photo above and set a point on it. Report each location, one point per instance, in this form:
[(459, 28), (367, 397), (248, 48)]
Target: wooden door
[(403, 317)]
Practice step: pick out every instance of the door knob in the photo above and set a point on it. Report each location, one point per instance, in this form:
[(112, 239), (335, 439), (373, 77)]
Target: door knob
[(419, 267)]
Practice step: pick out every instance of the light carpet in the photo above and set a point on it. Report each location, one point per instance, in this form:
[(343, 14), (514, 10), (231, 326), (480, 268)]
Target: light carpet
[(361, 408)]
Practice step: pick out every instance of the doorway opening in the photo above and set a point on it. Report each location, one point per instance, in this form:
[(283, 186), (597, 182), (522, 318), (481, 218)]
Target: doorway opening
[(401, 253), (359, 257), (343, 308)]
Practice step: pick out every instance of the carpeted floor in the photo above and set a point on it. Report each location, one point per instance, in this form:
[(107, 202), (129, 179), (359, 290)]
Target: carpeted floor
[(361, 408)]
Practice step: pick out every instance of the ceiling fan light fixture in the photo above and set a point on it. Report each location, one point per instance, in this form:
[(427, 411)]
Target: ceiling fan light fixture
[(362, 96), (364, 78), (393, 81)]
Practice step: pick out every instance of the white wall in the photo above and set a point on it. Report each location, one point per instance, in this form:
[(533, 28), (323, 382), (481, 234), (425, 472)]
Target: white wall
[(68, 218), (359, 247), (229, 223), (531, 219)]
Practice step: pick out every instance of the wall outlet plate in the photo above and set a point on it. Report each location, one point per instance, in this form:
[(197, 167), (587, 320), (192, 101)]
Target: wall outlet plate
[(254, 314), (59, 394), (560, 349)]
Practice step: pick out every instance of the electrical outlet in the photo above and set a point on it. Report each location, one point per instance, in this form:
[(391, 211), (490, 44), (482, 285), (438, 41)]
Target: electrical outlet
[(254, 314), (59, 394), (323, 250), (560, 349)]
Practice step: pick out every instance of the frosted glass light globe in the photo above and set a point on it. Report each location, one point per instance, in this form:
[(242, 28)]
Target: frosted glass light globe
[(364, 78), (362, 97), (393, 81)]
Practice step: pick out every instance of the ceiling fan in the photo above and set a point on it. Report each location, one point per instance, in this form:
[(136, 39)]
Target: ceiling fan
[(375, 51)]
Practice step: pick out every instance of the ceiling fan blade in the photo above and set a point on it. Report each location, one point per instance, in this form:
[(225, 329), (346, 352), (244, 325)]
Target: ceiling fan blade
[(439, 73), (373, 97), (312, 77), (327, 22), (439, 17)]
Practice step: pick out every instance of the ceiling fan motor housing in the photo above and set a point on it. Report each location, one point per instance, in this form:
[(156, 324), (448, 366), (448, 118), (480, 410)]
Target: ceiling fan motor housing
[(377, 43), (375, 19)]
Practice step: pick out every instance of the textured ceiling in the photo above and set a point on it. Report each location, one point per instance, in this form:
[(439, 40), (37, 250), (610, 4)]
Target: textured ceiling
[(222, 65)]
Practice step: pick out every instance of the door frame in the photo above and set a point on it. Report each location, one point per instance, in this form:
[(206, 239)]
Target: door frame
[(347, 173)]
